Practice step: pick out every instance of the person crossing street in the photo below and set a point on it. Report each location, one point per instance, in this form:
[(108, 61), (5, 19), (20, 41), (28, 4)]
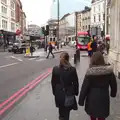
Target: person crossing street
[(50, 48)]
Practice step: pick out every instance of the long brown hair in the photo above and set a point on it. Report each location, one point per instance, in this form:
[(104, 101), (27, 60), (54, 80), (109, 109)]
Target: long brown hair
[(97, 59), (64, 60)]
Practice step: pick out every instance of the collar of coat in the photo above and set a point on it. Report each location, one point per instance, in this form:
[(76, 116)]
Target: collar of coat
[(99, 70)]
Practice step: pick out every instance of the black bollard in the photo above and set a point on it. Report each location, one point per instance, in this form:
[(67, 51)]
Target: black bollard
[(75, 60), (78, 55)]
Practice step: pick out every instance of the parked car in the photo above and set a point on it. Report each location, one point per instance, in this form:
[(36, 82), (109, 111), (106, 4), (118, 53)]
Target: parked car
[(10, 48), (19, 47)]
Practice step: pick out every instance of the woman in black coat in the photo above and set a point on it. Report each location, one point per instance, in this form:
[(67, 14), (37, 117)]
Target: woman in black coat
[(64, 78), (95, 88)]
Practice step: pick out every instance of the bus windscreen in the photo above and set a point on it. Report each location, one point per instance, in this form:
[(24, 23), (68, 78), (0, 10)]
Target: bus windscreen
[(83, 40)]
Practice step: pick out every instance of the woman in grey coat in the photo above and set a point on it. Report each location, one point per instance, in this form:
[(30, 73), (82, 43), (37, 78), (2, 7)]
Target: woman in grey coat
[(95, 88)]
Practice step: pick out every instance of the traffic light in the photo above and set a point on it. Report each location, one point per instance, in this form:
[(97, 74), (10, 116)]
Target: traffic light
[(43, 30), (102, 34), (54, 32), (47, 29), (1, 35)]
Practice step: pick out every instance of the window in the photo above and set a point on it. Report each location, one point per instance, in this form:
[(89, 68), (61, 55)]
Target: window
[(109, 20), (4, 1), (83, 27), (108, 10), (103, 17), (94, 9), (4, 24), (99, 18), (89, 27), (103, 6), (86, 26), (4, 9), (80, 23), (12, 4), (94, 19), (99, 7), (12, 14), (13, 26)]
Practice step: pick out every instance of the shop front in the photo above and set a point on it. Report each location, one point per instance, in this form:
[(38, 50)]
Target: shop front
[(6, 38)]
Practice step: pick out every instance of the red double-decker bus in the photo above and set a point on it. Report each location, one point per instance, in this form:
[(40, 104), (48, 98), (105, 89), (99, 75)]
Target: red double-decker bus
[(82, 40)]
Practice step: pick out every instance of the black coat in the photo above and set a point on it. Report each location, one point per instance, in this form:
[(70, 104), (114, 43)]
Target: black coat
[(94, 46), (95, 91), (70, 78), (50, 47)]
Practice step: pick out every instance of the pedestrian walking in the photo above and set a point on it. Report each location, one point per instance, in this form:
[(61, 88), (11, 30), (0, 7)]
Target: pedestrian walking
[(89, 49), (95, 88), (50, 48), (31, 50), (101, 47), (107, 47), (94, 46), (65, 87)]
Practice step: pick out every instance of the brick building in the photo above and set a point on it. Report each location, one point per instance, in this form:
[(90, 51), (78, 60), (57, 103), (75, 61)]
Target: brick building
[(20, 17)]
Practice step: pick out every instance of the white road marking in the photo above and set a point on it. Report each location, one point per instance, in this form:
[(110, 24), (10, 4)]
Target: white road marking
[(41, 59), (32, 58), (8, 65), (16, 58)]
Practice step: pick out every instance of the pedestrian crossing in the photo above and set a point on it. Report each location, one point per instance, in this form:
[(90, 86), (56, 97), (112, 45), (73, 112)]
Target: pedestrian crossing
[(37, 59), (42, 59)]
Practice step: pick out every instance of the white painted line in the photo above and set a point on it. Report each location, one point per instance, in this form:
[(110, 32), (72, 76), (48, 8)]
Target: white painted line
[(32, 58), (8, 65), (41, 59), (16, 58)]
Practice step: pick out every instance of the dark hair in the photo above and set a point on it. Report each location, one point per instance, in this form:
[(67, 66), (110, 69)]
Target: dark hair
[(97, 59), (65, 56)]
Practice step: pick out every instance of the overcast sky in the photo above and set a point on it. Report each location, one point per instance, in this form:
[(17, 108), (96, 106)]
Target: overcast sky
[(39, 11)]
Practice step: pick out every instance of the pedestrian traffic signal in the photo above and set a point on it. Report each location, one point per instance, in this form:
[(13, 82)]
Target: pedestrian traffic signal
[(47, 29), (54, 32)]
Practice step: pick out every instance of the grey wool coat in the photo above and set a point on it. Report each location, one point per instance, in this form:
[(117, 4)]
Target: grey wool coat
[(95, 92)]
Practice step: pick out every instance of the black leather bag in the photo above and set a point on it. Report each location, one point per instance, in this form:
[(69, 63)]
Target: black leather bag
[(69, 99)]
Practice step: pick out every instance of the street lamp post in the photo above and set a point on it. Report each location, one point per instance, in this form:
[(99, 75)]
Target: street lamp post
[(58, 6)]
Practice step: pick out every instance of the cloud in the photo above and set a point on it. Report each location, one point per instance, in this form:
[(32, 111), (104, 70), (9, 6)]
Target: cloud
[(37, 11), (69, 6)]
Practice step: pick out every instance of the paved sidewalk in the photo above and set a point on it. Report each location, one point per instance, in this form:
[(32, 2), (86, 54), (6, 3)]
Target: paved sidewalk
[(39, 103)]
